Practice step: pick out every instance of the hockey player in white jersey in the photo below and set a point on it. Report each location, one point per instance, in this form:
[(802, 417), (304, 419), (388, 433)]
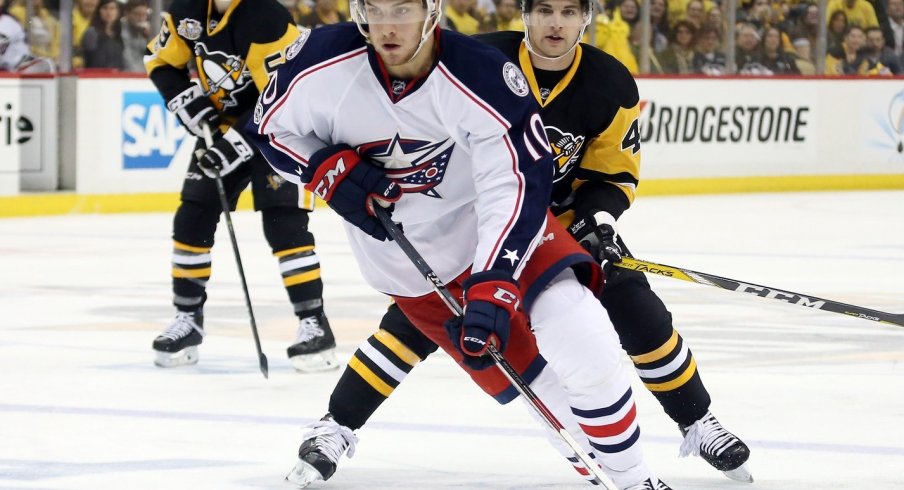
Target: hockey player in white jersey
[(440, 129)]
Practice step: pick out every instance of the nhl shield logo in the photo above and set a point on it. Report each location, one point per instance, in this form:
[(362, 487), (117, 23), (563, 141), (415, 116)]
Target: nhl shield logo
[(295, 47), (515, 79), (189, 29)]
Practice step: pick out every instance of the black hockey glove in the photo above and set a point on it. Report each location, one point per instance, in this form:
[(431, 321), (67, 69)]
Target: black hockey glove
[(192, 108), (227, 153), (492, 301), (596, 232), (350, 186)]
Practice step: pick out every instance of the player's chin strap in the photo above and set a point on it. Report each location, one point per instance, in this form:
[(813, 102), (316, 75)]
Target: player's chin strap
[(525, 17)]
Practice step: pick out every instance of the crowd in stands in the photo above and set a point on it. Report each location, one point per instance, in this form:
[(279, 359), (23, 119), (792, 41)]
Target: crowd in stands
[(772, 37)]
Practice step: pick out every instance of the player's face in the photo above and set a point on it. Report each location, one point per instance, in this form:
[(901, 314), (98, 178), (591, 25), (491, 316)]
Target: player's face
[(554, 26), (395, 28)]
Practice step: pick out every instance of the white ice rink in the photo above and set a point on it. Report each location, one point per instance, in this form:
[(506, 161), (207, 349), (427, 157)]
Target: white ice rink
[(819, 397)]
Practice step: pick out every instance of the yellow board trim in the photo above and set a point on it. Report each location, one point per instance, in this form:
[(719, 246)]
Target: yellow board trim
[(660, 352), (191, 273), (301, 278), (675, 383), (189, 248), (398, 348), (293, 251), (369, 376), (54, 203)]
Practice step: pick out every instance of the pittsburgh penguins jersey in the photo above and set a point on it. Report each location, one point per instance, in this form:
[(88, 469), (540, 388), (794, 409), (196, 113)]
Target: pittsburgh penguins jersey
[(465, 143), (591, 114), (232, 53)]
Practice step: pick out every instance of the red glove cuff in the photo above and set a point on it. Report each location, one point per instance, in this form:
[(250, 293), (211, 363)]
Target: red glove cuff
[(493, 287), (332, 167)]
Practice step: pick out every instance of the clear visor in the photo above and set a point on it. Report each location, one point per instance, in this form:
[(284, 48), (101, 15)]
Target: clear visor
[(408, 12), (543, 16)]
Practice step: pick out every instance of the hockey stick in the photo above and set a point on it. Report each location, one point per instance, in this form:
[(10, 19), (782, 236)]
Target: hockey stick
[(224, 203), (896, 319), (514, 378)]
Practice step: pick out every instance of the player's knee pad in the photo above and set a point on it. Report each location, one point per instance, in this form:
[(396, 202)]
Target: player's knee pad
[(195, 224), (286, 228), (399, 326), (574, 334)]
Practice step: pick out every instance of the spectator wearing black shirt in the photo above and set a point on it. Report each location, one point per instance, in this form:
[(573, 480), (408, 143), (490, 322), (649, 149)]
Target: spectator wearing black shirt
[(102, 43), (774, 56)]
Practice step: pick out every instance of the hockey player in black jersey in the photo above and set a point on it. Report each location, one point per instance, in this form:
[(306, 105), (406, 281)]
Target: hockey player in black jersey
[(232, 45), (590, 109)]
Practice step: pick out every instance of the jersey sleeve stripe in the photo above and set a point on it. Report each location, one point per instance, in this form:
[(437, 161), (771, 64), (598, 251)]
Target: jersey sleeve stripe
[(288, 151), (262, 129), (471, 95), (517, 211)]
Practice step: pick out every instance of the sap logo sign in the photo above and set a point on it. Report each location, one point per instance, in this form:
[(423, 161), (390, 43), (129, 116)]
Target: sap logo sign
[(151, 135)]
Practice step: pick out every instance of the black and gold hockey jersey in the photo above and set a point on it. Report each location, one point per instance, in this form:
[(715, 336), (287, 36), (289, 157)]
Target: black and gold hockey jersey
[(591, 114), (232, 53)]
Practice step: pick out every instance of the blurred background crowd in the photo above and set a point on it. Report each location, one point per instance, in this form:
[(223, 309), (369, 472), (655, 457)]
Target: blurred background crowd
[(673, 37)]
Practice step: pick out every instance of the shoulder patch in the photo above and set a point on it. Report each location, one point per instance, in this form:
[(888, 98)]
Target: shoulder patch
[(515, 79), (189, 29), (296, 45)]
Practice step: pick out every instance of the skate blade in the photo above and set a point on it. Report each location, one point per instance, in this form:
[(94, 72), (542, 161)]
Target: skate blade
[(185, 357), (315, 363), (303, 475), (741, 474)]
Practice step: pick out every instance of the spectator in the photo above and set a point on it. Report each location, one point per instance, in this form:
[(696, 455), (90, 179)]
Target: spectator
[(695, 13), (325, 12), (507, 17), (677, 9), (878, 53), (613, 36), (13, 48), (659, 20), (708, 59), (849, 59), (299, 9), (807, 24), (678, 57), (636, 43), (774, 57), (716, 19), (803, 56), (136, 32), (838, 25), (858, 12), (748, 53), (81, 19), (629, 12), (459, 15), (102, 43), (43, 30), (893, 26)]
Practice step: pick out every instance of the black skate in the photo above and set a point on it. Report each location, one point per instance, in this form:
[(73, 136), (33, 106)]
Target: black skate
[(319, 454), (315, 347), (649, 484), (178, 344), (718, 447)]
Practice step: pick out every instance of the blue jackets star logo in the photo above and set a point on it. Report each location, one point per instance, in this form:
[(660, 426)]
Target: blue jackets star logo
[(417, 166), (511, 255)]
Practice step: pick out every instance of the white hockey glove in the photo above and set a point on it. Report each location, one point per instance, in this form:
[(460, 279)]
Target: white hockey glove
[(596, 232), (192, 108), (226, 154)]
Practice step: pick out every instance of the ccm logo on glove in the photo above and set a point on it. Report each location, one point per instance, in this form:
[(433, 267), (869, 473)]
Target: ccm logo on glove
[(328, 179)]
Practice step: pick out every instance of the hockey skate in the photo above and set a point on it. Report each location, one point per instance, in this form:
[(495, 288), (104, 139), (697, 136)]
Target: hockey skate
[(320, 452), (718, 447), (649, 484), (178, 344), (314, 349)]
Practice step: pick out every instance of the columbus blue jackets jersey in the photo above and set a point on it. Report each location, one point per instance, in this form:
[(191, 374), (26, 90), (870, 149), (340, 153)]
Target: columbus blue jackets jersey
[(591, 118), (465, 143), (232, 53)]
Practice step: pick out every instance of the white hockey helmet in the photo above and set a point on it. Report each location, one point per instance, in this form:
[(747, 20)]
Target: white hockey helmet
[(527, 5), (434, 14)]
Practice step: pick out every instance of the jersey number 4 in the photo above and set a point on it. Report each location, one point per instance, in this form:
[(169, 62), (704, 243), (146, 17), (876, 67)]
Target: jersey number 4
[(632, 138)]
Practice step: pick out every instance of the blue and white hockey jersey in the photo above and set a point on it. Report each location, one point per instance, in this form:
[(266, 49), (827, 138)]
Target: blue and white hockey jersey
[(465, 142)]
